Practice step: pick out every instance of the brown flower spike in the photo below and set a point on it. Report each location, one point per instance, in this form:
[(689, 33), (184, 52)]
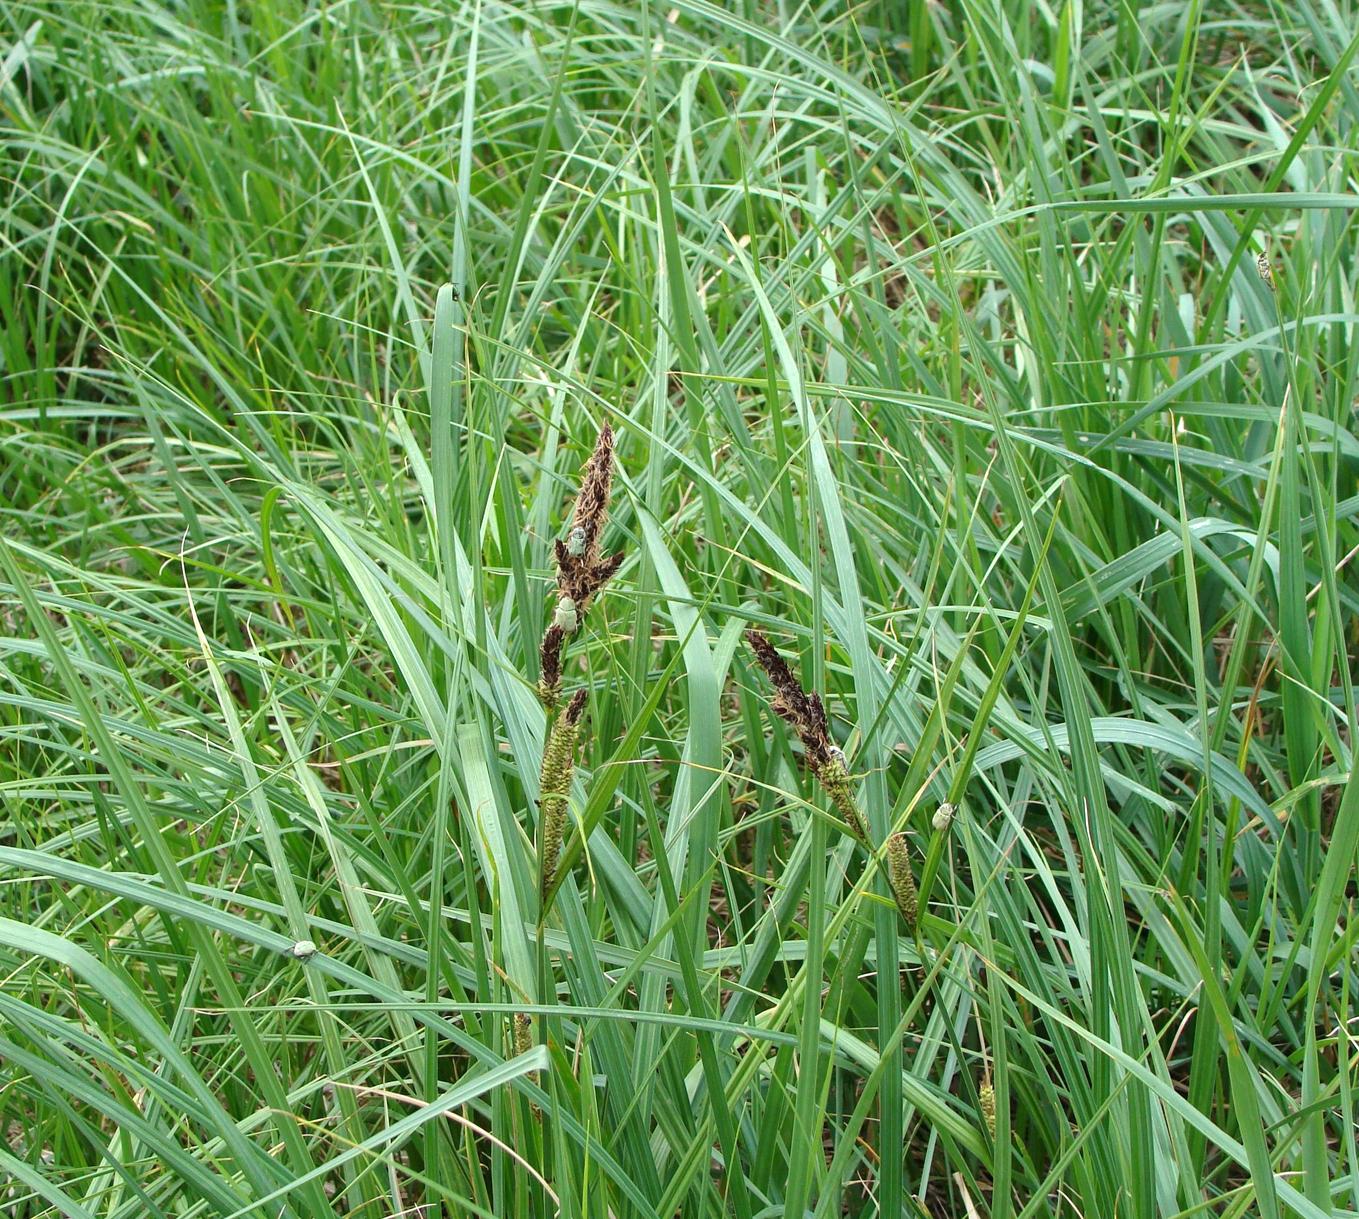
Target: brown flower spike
[(806, 714), (581, 573), (592, 503), (522, 1026), (550, 687)]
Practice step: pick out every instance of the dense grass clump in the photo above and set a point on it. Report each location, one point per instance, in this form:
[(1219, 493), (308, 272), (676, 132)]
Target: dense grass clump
[(993, 363)]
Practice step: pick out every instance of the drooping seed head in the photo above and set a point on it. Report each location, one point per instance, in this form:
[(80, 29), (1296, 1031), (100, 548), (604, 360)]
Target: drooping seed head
[(806, 715), (900, 877)]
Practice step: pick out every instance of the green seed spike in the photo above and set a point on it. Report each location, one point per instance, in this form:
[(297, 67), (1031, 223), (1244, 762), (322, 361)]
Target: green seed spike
[(559, 762), (988, 1108), (835, 779), (523, 1033), (523, 1043), (899, 874)]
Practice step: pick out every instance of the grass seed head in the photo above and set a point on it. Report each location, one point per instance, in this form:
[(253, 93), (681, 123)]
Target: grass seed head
[(581, 573), (988, 1107), (523, 1033), (806, 715), (559, 762), (592, 504), (834, 778), (521, 1028), (803, 712), (901, 879), (550, 656)]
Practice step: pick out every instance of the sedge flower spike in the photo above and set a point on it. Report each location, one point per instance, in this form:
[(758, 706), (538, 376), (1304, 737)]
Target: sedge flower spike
[(550, 659), (581, 572), (901, 880), (559, 763), (988, 1107), (523, 1033), (806, 715)]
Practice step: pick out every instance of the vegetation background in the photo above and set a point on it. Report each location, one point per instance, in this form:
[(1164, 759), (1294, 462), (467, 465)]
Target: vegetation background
[(935, 346)]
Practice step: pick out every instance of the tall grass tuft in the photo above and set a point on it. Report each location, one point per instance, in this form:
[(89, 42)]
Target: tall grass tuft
[(935, 338)]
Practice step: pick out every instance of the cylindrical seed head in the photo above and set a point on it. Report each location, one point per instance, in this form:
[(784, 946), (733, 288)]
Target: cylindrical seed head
[(900, 878), (559, 762), (523, 1033), (988, 1107), (835, 779)]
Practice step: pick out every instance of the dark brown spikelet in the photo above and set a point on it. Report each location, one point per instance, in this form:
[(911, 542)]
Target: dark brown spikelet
[(592, 504), (581, 573), (605, 570), (576, 706), (573, 577), (581, 581), (804, 712), (772, 663), (550, 686)]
